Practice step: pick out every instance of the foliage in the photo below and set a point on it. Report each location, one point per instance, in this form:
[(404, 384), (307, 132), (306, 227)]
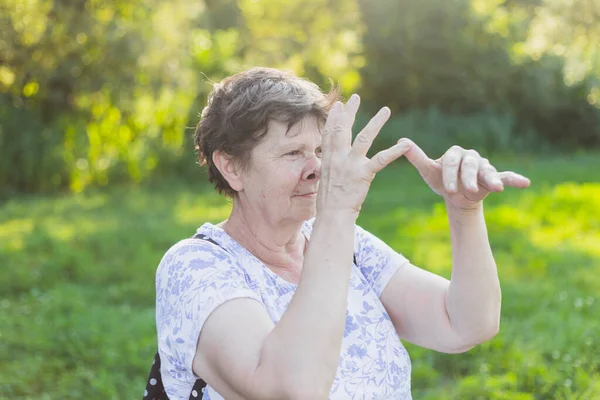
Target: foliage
[(436, 131), (88, 91), (480, 56), (93, 92), (77, 314)]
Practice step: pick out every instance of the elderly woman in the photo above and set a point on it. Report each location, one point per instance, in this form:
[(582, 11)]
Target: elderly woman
[(289, 298)]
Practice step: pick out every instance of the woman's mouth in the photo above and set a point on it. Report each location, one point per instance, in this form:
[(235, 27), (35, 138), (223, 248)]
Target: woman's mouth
[(307, 195)]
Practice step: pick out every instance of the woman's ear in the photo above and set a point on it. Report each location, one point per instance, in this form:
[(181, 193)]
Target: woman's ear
[(229, 169)]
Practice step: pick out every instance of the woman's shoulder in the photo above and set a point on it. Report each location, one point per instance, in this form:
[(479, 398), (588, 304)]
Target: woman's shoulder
[(192, 247), (200, 251)]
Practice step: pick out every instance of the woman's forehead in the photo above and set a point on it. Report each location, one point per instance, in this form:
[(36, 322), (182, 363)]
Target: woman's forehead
[(281, 131)]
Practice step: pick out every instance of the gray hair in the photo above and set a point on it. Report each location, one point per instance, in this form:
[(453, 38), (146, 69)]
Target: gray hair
[(239, 109)]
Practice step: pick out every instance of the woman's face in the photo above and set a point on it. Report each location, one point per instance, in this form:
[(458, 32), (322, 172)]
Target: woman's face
[(282, 178)]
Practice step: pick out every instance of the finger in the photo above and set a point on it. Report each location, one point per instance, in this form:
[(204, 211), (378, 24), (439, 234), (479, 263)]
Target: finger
[(488, 176), (513, 179), (417, 157), (327, 145), (385, 157), (450, 163), (331, 128), (469, 169), (351, 109), (347, 117), (364, 140)]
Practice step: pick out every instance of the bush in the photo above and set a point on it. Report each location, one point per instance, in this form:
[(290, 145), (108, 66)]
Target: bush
[(435, 132)]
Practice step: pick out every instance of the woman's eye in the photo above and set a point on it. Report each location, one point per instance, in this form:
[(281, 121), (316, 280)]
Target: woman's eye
[(294, 153), (319, 151)]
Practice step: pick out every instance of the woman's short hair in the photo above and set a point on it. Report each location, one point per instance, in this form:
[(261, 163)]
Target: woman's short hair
[(239, 109)]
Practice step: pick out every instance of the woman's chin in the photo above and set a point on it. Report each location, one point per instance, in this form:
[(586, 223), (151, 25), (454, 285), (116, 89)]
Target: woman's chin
[(307, 213)]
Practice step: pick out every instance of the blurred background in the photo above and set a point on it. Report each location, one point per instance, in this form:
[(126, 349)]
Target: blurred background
[(98, 177)]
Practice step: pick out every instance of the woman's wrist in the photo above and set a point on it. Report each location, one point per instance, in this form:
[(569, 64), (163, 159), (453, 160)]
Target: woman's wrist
[(336, 217), (464, 212)]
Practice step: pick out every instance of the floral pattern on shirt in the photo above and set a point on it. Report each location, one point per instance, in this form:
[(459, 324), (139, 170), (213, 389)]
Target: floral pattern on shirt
[(196, 276)]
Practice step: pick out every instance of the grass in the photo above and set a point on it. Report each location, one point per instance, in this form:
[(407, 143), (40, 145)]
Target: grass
[(77, 283)]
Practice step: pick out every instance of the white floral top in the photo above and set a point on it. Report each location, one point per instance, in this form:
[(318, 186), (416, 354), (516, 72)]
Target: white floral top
[(196, 276)]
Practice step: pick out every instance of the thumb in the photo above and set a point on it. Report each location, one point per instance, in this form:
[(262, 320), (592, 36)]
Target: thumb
[(417, 157)]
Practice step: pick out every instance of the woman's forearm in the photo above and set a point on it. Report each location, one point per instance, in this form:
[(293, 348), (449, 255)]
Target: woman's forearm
[(473, 301), (305, 344)]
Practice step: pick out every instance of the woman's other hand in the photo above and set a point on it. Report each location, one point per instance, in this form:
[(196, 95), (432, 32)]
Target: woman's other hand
[(346, 172), (462, 177)]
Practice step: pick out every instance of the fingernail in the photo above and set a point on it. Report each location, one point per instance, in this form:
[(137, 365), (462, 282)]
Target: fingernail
[(384, 110), (451, 186)]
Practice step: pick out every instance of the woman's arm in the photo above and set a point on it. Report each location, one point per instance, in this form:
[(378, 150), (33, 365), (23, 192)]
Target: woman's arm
[(449, 316), (307, 340), (243, 355), (473, 298), (455, 315)]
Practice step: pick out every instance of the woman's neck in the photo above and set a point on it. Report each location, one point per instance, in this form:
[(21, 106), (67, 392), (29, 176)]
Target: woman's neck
[(280, 246)]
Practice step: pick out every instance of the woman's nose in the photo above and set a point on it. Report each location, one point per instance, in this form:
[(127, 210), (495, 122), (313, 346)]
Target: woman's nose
[(312, 170)]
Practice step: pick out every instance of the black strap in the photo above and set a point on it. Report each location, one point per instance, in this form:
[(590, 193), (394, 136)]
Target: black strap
[(155, 389), (204, 237)]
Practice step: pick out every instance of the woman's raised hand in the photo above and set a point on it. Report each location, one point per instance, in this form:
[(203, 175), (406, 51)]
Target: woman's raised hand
[(346, 172), (462, 177)]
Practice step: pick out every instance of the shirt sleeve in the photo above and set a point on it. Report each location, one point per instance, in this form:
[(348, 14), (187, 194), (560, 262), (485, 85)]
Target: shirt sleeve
[(192, 280), (376, 260)]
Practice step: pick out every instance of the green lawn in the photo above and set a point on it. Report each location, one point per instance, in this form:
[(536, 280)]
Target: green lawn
[(77, 283)]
